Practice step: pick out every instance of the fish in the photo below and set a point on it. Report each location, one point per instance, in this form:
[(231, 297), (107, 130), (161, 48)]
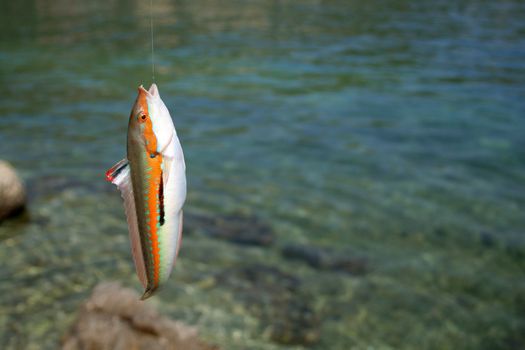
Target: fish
[(152, 183)]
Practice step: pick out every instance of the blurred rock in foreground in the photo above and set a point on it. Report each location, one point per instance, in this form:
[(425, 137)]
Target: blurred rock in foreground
[(114, 318), (12, 192)]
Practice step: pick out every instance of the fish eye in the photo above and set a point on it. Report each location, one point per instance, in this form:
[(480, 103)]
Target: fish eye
[(143, 117)]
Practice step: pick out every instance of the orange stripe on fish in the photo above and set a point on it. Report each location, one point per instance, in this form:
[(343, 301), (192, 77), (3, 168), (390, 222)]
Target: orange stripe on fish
[(153, 211), (146, 124)]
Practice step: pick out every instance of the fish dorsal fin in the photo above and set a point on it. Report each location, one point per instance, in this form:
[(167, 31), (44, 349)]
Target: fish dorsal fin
[(120, 175), (113, 172)]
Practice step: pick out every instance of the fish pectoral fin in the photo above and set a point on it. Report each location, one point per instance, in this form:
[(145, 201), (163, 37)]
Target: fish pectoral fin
[(120, 175), (115, 170), (166, 167)]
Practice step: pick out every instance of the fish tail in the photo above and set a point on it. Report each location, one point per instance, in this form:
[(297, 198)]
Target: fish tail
[(148, 292)]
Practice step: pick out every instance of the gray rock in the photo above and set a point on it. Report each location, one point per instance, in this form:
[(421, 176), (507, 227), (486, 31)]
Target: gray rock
[(114, 318), (12, 191), (53, 185)]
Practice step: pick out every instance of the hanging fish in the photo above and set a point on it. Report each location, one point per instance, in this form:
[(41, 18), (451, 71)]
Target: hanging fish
[(152, 182)]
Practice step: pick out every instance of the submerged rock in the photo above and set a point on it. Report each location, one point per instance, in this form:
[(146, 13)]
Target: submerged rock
[(326, 259), (53, 185), (114, 318), (12, 191), (278, 300), (235, 228)]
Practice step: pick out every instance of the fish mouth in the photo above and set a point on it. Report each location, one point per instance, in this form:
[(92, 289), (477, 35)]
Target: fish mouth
[(153, 90)]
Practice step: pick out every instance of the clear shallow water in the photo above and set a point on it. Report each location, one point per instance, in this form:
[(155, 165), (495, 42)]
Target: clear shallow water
[(391, 131)]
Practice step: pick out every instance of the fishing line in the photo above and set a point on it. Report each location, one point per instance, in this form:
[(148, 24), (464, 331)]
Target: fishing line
[(152, 49)]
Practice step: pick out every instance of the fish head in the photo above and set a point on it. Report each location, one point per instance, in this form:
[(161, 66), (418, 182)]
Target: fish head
[(150, 123)]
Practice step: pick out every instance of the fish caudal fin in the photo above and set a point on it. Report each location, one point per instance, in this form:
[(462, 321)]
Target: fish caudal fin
[(120, 175), (148, 292)]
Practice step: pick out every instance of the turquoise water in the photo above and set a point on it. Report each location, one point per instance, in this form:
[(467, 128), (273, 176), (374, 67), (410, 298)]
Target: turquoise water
[(389, 132)]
